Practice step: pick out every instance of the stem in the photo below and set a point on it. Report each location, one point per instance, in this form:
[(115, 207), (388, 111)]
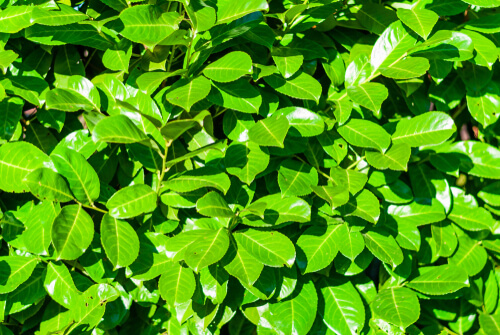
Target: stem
[(219, 112), (172, 52), (93, 207), (163, 166), (355, 163), (459, 111), (90, 58)]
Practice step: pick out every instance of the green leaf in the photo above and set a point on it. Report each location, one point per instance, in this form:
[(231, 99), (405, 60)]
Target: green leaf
[(228, 11), (177, 284), (335, 195), (246, 160), (17, 160), (46, 184), (269, 247), (486, 54), (10, 115), (238, 95), (296, 178), (279, 210), (365, 134), (419, 212), (72, 232), (270, 131), (230, 67), (396, 158), (288, 60), (384, 247), (489, 323), (425, 129), (117, 129), (65, 15), (477, 158), (484, 105), (147, 24), (213, 204), (196, 179), (67, 100), (15, 18), (82, 178), (296, 314), (60, 285), (469, 256), (240, 264), (472, 219), (491, 194), (369, 95), (120, 241), (186, 93), (420, 21), (487, 24), (15, 270), (397, 305), (439, 280), (447, 45), (343, 312), (391, 46), (316, 248), (407, 68), (207, 249), (300, 86), (132, 201), (302, 121)]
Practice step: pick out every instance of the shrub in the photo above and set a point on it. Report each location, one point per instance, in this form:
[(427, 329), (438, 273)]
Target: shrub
[(249, 167)]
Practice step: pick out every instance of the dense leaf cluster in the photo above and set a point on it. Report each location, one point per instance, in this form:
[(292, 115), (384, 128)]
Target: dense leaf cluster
[(249, 167)]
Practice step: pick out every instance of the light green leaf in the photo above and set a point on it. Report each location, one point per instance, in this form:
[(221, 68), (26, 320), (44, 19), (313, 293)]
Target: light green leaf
[(148, 24), (60, 285), (68, 100), (117, 129), (17, 160), (384, 247), (425, 129), (238, 95), (46, 184), (186, 93), (270, 131), (484, 105), (365, 134), (213, 204), (316, 248), (470, 256), (300, 86), (335, 195), (15, 270), (419, 212), (207, 249), (269, 247), (439, 280), (120, 241), (302, 121), (246, 160), (82, 178), (228, 11), (343, 312), (420, 21), (240, 264), (296, 178), (65, 15), (369, 95), (132, 201), (396, 158), (229, 67), (72, 232), (296, 314), (350, 243), (15, 18), (177, 284), (397, 305), (480, 159), (407, 68), (196, 179), (491, 194), (447, 45), (288, 60)]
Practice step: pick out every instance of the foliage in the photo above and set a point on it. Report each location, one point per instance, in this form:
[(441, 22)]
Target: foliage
[(249, 167)]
